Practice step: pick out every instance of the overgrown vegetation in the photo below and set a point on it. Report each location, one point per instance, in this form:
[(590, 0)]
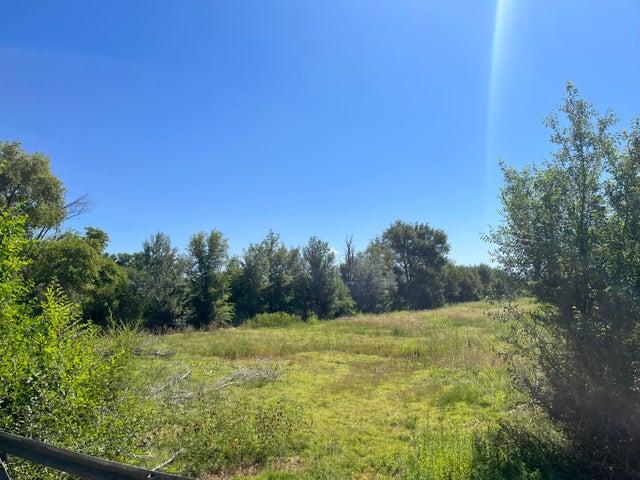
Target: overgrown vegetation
[(269, 320), (572, 231), (58, 382), (471, 391), (396, 395)]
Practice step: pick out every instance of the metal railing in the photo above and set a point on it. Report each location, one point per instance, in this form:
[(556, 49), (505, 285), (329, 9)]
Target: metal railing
[(80, 465)]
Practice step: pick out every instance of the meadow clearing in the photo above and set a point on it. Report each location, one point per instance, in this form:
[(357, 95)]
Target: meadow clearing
[(396, 395)]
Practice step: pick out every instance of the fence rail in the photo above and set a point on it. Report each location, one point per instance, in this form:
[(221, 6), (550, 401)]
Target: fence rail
[(80, 465)]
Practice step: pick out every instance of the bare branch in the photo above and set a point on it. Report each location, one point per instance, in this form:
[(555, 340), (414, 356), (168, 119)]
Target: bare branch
[(173, 457), (77, 207)]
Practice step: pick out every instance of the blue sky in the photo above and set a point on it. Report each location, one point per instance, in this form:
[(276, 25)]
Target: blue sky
[(307, 117)]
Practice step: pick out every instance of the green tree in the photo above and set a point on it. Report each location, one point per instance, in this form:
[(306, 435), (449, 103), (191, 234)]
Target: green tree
[(248, 279), (208, 283), (79, 266), (159, 274), (419, 258), (571, 230), (462, 283), (267, 279), (325, 293), (486, 275), (284, 268), (28, 187), (372, 281)]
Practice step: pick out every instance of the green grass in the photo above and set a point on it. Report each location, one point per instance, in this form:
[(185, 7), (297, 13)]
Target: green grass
[(397, 395)]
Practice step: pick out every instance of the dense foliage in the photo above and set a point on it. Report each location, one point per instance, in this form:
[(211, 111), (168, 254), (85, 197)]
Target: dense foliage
[(208, 284), (78, 265), (571, 230), (28, 187), (55, 382), (419, 256), (160, 288), (273, 320)]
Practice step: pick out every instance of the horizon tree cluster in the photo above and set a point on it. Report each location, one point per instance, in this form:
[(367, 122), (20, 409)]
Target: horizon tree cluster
[(405, 267)]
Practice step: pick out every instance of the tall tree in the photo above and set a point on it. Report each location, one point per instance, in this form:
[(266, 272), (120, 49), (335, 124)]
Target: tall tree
[(348, 265), (267, 279), (28, 186), (160, 276), (462, 283), (571, 229), (419, 256), (283, 269), (208, 284), (248, 282), (372, 282), (326, 294)]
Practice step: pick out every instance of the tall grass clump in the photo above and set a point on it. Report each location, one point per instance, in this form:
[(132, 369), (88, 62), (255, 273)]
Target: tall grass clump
[(56, 383), (439, 454), (273, 320), (226, 435), (522, 447)]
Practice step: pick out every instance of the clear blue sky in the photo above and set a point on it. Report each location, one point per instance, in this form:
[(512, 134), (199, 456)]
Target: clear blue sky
[(307, 117)]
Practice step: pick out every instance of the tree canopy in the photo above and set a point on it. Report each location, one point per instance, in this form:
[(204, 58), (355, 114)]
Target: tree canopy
[(28, 187)]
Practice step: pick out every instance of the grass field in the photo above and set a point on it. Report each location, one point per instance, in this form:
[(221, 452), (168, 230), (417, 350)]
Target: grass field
[(397, 395)]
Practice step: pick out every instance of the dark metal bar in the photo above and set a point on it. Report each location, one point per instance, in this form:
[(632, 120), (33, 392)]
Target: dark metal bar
[(4, 467), (84, 466)]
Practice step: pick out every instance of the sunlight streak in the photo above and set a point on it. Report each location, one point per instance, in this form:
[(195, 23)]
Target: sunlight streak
[(498, 54)]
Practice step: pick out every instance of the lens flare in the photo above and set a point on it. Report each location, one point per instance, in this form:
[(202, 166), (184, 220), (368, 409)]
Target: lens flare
[(497, 72)]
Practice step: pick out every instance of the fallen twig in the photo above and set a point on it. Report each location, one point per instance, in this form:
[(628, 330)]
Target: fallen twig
[(249, 375), (150, 353), (171, 459), (175, 380)]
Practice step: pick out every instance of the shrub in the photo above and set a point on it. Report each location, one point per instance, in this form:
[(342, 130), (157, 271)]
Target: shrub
[(512, 450), (78, 264), (272, 320), (56, 384)]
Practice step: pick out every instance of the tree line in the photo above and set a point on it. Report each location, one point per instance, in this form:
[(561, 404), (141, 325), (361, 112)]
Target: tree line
[(405, 267)]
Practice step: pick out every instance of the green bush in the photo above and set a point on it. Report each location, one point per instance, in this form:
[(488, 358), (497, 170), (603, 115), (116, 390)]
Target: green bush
[(525, 447), (56, 384), (515, 450), (272, 320)]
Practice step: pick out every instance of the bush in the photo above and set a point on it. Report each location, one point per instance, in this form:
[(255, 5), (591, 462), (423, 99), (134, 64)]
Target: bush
[(56, 384), (511, 450), (273, 320)]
